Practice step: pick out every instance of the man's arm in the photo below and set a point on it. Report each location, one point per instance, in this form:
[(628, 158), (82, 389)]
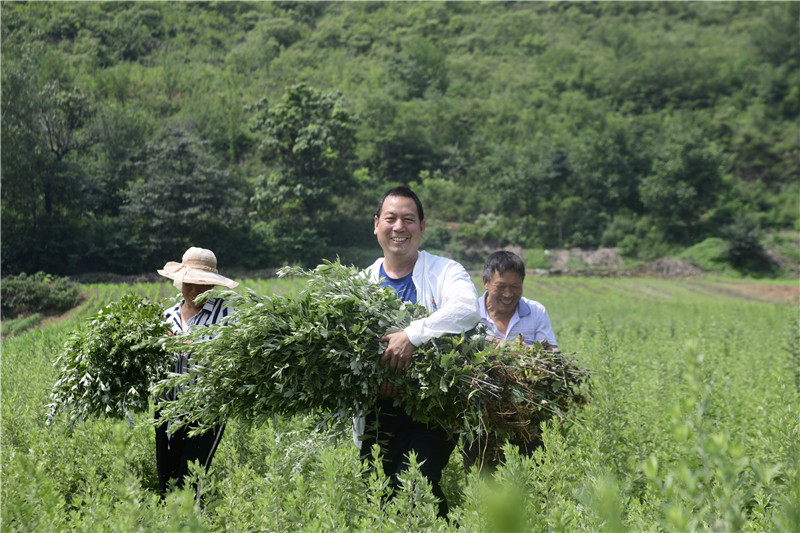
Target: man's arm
[(454, 303)]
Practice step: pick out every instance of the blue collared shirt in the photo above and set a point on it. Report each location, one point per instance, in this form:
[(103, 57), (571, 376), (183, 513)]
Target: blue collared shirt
[(530, 321)]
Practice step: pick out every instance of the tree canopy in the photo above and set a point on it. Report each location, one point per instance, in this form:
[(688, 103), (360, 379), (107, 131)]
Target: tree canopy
[(276, 126)]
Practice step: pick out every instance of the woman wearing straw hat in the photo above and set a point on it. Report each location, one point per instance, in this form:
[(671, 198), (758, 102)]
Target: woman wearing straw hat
[(194, 275)]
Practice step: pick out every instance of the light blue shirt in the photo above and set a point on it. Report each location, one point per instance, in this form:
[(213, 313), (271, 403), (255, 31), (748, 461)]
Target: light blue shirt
[(530, 321)]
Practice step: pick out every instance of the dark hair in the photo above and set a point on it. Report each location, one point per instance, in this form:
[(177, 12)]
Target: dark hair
[(405, 192), (502, 262)]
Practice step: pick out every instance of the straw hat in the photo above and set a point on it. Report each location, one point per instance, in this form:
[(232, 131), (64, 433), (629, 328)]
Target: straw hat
[(198, 266)]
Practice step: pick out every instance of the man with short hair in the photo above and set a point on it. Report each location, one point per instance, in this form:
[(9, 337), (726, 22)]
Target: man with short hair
[(507, 314), (446, 290)]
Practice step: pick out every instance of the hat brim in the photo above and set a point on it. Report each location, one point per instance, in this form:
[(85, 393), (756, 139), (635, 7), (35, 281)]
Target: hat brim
[(201, 277)]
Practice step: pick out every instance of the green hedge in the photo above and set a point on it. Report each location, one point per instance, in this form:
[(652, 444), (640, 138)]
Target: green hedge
[(24, 294)]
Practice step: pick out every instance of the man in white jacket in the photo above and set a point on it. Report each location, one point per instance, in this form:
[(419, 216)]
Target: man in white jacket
[(444, 287)]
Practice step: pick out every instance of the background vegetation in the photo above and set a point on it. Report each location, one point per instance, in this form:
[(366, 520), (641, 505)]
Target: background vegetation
[(267, 130), (26, 298), (693, 425)]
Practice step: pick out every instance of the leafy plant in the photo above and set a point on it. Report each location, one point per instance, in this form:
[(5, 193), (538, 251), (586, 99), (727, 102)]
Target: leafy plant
[(106, 366), (284, 476)]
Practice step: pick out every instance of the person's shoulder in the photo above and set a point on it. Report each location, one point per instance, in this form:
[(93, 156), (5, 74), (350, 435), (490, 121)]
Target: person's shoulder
[(438, 260), (172, 310), (374, 267), (533, 304)]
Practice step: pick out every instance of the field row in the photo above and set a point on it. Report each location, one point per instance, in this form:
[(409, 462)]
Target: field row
[(693, 424)]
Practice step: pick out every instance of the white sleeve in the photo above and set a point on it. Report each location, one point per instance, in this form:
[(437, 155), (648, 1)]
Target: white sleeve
[(454, 304)]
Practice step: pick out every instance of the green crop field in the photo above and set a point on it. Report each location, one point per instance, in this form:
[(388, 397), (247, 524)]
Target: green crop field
[(693, 424)]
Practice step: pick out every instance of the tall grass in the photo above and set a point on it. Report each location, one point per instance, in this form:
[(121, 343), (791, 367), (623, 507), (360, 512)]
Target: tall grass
[(694, 425)]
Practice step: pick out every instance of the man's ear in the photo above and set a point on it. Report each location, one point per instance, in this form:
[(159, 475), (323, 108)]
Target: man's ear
[(422, 225), (375, 228)]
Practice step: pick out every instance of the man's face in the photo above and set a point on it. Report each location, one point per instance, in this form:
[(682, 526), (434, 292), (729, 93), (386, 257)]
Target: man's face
[(503, 291), (398, 227)]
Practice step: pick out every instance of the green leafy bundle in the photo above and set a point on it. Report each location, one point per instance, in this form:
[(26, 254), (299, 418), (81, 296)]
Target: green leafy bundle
[(286, 355), (111, 361), (318, 352)]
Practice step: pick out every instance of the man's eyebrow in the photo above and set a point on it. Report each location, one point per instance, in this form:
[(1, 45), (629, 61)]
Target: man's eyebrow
[(395, 214)]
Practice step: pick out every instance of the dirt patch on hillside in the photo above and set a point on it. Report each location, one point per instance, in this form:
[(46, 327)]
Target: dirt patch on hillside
[(608, 262), (669, 268), (576, 258), (780, 294), (54, 318)]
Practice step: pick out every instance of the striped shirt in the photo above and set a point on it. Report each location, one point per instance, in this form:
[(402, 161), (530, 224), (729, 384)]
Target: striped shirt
[(213, 312)]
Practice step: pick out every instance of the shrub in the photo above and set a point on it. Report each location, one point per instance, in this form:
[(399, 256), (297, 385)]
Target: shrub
[(107, 365), (621, 227), (708, 254), (743, 248), (15, 326), (437, 237), (23, 294)]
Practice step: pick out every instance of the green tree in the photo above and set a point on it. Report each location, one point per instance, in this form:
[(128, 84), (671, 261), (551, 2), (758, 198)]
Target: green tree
[(685, 183), (309, 143), (47, 127), (180, 198), (63, 117), (420, 66)]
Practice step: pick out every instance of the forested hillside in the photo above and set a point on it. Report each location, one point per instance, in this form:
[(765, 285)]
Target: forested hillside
[(268, 130)]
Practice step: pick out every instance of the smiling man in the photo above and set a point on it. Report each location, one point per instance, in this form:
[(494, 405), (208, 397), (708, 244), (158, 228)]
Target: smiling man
[(445, 289), (507, 314)]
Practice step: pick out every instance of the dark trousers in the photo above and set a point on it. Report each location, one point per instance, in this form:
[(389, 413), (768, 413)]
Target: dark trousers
[(175, 452), (397, 435)]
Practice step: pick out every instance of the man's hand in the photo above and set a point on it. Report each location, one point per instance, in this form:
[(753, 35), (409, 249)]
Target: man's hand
[(398, 352), (387, 391)]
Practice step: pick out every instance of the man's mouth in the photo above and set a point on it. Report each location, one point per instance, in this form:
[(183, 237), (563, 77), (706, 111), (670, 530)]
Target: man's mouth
[(399, 239)]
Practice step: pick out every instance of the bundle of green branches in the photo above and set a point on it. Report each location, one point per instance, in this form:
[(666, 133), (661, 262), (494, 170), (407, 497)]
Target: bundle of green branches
[(288, 355), (317, 352), (111, 361), (492, 392)]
